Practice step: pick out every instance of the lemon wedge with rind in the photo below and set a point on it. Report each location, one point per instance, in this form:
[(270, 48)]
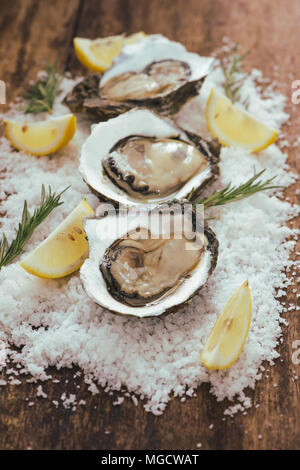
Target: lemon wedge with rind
[(229, 333), (233, 126), (64, 250), (98, 54), (43, 137)]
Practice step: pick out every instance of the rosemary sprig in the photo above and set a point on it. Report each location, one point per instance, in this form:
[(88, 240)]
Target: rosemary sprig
[(235, 193), (232, 74), (42, 94), (49, 201)]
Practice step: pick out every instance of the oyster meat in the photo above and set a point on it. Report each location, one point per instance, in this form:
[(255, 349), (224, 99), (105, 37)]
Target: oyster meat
[(154, 265), (140, 269), (144, 166), (157, 79), (140, 157), (154, 73)]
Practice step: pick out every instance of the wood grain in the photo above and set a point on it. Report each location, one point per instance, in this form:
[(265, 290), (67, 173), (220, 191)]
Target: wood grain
[(30, 32)]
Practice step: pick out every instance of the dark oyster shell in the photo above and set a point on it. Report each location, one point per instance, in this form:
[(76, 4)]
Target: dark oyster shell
[(86, 98)]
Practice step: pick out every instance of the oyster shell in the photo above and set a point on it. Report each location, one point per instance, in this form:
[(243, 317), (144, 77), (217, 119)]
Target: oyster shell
[(154, 73), (149, 262), (140, 157), (157, 79)]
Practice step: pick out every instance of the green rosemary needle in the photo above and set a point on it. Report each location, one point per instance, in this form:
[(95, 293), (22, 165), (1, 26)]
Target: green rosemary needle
[(235, 193), (232, 75), (42, 94), (49, 201)]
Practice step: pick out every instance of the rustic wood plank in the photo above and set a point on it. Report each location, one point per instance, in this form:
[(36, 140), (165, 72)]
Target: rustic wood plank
[(270, 29), (32, 32)]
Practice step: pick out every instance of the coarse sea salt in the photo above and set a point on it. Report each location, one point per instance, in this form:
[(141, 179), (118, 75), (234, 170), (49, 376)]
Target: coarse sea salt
[(53, 323)]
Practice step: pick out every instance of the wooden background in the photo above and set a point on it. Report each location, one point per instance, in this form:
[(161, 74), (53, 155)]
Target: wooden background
[(30, 32)]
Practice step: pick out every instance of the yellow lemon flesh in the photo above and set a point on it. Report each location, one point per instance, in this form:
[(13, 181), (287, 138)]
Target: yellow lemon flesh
[(64, 250), (98, 54), (233, 126), (43, 137), (229, 333)]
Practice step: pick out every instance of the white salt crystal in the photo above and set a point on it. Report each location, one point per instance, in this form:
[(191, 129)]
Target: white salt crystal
[(14, 381), (135, 400), (68, 402), (40, 392), (118, 401), (93, 389)]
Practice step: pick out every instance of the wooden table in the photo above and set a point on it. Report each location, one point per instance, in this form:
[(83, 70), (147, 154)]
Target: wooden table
[(32, 31)]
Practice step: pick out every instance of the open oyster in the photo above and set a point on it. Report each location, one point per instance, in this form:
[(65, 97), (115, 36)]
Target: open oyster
[(140, 157), (154, 73), (148, 261)]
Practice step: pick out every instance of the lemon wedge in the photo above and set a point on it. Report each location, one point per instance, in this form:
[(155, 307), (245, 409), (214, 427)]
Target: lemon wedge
[(43, 137), (233, 126), (229, 333), (64, 250), (98, 54)]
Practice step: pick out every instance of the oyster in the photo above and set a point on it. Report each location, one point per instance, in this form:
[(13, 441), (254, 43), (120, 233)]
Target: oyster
[(154, 73), (149, 262), (140, 157), (157, 79)]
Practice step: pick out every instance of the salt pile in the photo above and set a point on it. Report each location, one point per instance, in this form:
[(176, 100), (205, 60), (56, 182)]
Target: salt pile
[(54, 322)]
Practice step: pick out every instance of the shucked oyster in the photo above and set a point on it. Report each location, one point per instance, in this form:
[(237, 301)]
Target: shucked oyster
[(139, 270), (148, 262), (154, 73), (148, 166), (140, 157), (157, 79)]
